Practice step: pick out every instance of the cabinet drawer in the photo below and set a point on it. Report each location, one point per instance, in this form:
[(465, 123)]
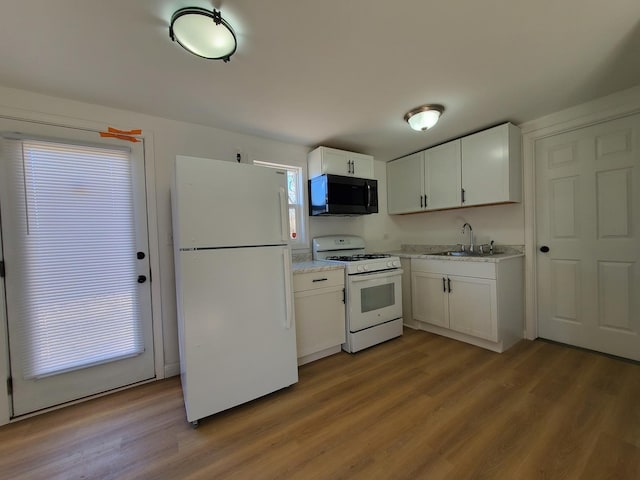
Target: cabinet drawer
[(322, 279), (455, 267)]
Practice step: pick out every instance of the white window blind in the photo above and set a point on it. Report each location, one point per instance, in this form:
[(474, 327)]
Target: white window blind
[(80, 303)]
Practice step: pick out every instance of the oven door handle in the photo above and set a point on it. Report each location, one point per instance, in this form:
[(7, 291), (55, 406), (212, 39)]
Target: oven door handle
[(365, 277)]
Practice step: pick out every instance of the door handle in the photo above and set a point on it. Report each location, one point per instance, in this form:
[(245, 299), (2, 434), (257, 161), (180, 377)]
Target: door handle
[(544, 249), (289, 311), (142, 278), (284, 224)]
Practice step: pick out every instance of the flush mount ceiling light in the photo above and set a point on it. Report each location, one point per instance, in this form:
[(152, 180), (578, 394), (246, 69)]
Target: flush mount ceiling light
[(424, 117), (204, 33)]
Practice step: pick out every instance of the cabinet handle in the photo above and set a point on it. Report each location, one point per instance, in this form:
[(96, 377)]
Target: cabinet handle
[(421, 201), (463, 199), (425, 201), (449, 282), (444, 285), (344, 296), (319, 279)]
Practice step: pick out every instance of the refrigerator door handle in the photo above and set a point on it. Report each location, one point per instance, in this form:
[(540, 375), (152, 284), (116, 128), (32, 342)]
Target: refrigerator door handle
[(287, 288), (283, 215)]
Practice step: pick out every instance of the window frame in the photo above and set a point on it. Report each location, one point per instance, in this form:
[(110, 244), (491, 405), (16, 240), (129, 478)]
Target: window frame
[(301, 241)]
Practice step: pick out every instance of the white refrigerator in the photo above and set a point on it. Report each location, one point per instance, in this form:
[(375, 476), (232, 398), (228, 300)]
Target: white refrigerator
[(233, 283)]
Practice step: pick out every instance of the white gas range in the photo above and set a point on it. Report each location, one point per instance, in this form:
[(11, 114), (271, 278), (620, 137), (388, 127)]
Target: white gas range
[(373, 287)]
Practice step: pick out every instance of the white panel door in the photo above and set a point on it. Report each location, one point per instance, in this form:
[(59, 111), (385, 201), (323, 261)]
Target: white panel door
[(588, 216), (220, 204), (443, 176)]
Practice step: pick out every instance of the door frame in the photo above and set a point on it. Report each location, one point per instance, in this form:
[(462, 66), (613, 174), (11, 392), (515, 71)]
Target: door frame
[(154, 251), (611, 107)]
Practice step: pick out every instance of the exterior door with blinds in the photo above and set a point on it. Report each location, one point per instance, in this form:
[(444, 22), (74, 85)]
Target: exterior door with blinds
[(74, 229)]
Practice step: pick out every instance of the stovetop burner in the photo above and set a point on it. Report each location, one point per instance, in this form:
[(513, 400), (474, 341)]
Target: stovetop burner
[(358, 257)]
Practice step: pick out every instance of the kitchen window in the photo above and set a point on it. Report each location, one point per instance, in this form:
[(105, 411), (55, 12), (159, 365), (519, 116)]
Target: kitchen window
[(297, 234)]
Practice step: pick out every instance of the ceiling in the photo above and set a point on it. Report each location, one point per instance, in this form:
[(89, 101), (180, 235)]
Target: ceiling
[(340, 73)]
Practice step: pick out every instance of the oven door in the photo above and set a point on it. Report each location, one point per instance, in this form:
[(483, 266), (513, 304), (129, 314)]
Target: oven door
[(373, 298)]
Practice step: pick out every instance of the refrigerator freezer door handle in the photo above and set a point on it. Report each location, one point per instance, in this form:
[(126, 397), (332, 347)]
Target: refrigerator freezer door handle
[(287, 288), (283, 215)]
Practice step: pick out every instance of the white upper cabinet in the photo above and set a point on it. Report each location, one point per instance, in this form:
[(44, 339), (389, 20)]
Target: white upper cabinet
[(405, 184), (442, 176), (339, 162), (480, 169), (427, 180), (492, 166)]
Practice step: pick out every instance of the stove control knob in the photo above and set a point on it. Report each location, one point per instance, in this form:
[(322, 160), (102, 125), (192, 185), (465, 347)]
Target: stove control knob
[(365, 267), (396, 263), (360, 268), (389, 264)]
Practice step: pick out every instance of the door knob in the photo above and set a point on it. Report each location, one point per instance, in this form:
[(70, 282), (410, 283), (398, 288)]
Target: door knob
[(142, 279), (140, 255), (544, 249)]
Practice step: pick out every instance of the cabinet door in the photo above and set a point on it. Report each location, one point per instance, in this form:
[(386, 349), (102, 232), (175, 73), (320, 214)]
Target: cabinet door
[(429, 300), (473, 307), (486, 166), (405, 186), (335, 162), (362, 165), (319, 319), (443, 176)]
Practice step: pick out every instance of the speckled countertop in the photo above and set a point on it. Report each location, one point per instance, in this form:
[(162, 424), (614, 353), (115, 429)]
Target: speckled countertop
[(311, 266), (427, 252)]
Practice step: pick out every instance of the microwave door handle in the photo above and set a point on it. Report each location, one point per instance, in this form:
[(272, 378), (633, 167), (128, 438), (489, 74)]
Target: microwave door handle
[(368, 196)]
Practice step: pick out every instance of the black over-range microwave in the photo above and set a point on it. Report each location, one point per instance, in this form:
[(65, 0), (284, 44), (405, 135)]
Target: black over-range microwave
[(338, 195)]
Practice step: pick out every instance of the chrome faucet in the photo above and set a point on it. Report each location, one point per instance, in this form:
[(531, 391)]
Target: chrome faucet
[(471, 246)]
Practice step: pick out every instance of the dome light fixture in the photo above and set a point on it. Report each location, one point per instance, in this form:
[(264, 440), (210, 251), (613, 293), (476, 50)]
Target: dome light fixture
[(424, 117), (203, 33)]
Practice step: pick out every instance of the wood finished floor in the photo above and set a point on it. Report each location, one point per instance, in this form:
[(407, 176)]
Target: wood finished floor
[(421, 406)]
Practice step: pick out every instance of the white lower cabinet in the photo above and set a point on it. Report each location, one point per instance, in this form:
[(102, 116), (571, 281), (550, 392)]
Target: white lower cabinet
[(319, 313), (477, 302)]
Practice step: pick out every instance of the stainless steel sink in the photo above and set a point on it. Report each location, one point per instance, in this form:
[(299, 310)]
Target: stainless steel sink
[(463, 254)]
